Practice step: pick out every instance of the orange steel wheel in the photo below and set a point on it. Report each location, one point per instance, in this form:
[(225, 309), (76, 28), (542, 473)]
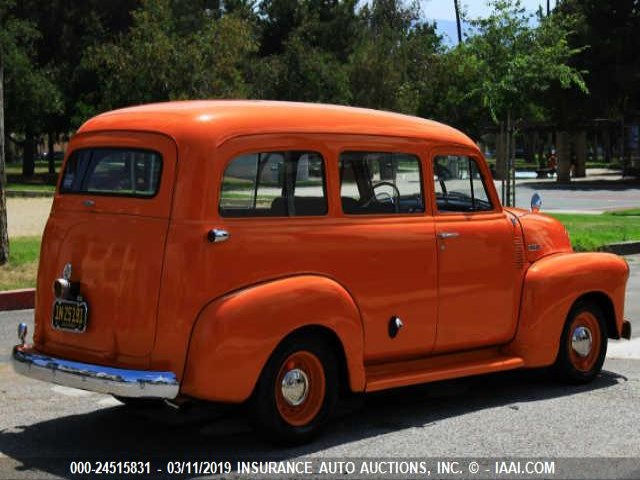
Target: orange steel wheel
[(300, 388), (583, 345), (584, 340)]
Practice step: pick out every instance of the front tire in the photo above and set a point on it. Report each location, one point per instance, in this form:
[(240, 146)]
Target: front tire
[(583, 345), (297, 391)]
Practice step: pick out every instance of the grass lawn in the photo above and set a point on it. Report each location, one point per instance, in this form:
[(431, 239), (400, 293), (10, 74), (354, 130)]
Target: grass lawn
[(22, 268), (21, 187), (588, 232)]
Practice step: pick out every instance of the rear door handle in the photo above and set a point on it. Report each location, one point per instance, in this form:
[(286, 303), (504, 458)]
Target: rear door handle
[(217, 235), (448, 234)]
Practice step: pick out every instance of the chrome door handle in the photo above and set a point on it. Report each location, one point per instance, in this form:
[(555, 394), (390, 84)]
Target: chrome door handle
[(89, 203), (448, 234), (217, 235)]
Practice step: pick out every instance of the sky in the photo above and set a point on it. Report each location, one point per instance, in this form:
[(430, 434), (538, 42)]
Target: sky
[(444, 14), (443, 9)]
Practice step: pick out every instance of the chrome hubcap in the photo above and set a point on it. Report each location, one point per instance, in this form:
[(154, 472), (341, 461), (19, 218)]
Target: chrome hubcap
[(581, 341), (295, 387)]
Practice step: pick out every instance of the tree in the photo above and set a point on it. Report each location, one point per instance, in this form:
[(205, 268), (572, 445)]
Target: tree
[(166, 56), (389, 68), (516, 63), (11, 52)]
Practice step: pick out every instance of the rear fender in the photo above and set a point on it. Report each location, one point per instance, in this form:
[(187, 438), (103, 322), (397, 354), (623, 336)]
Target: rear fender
[(552, 285), (234, 336)]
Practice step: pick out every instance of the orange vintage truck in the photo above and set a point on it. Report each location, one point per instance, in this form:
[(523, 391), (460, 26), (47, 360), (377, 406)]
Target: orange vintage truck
[(280, 254)]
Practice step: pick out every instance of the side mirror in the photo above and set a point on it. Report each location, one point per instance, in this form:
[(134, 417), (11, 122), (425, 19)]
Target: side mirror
[(536, 202)]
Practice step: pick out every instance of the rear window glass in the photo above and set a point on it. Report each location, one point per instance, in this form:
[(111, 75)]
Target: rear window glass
[(116, 172), (274, 184)]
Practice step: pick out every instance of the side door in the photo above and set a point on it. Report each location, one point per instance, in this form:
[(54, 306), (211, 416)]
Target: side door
[(478, 261)]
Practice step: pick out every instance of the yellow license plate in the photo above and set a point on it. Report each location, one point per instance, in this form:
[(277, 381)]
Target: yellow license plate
[(68, 315)]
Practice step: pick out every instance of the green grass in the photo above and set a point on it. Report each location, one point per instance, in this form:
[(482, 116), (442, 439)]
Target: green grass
[(32, 187), (631, 212), (40, 167), (24, 250), (22, 268), (589, 232)]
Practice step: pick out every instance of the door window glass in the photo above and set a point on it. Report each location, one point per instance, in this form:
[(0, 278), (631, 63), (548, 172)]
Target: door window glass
[(380, 183), (458, 185)]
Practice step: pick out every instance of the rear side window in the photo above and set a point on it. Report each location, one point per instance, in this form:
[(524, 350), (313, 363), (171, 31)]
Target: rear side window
[(114, 172), (374, 183), (274, 184)]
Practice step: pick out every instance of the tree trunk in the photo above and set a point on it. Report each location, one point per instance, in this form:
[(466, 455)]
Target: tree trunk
[(500, 154), (508, 149), (4, 231), (606, 147), (29, 155), (52, 160), (580, 168), (563, 153)]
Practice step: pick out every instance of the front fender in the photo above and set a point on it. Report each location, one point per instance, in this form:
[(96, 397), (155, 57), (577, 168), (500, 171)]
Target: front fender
[(234, 336), (551, 286)]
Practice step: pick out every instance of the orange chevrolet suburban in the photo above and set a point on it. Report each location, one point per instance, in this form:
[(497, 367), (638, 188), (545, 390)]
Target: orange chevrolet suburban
[(281, 253)]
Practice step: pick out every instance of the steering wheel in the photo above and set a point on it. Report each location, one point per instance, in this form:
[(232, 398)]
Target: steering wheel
[(395, 200)]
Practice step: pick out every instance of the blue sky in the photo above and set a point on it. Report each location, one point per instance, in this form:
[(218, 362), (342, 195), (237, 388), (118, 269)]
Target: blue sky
[(443, 12)]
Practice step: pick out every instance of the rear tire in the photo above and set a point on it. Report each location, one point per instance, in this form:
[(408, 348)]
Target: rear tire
[(297, 391), (583, 345)]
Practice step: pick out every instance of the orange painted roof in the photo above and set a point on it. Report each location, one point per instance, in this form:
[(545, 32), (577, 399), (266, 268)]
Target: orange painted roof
[(224, 119)]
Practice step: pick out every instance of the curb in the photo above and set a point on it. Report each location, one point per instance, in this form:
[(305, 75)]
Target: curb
[(622, 248), (17, 299)]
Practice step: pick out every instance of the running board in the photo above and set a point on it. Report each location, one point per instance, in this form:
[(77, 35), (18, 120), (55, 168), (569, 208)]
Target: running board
[(441, 367)]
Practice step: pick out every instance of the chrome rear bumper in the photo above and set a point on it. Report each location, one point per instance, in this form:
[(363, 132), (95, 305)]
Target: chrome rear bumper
[(95, 378)]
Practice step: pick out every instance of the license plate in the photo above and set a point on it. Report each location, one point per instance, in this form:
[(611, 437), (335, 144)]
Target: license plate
[(68, 315)]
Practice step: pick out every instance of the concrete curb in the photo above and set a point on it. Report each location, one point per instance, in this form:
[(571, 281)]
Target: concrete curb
[(17, 299), (622, 248)]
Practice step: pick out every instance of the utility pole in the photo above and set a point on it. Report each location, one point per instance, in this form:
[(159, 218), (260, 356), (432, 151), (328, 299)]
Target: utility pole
[(457, 7)]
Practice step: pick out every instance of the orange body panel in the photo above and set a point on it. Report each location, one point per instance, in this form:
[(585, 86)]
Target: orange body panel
[(234, 336), (552, 286), (163, 297)]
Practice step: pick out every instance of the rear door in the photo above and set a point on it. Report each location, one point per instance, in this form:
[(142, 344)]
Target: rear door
[(109, 224)]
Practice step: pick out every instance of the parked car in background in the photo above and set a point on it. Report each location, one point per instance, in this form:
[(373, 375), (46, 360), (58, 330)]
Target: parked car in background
[(283, 254)]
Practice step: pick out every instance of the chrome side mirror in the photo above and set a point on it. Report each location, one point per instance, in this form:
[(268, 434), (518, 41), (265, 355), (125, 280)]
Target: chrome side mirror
[(536, 202)]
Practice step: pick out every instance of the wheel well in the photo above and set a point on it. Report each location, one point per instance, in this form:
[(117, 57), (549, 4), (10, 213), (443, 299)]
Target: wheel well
[(331, 339), (606, 306)]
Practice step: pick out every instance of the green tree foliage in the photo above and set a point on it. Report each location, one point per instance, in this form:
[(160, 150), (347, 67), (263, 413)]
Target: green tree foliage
[(517, 62), (165, 56), (31, 96), (391, 65), (611, 60), (305, 47)]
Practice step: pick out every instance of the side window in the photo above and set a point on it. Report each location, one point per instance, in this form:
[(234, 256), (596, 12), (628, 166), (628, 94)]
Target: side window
[(114, 172), (274, 184), (458, 185), (380, 183)]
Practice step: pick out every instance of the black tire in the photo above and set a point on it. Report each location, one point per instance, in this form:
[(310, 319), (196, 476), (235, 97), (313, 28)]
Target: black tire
[(279, 422), (578, 368)]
